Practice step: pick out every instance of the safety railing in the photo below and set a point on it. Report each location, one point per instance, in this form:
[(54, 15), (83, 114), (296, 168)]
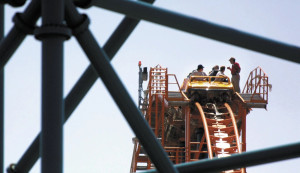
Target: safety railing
[(176, 154), (158, 81), (158, 87), (258, 85), (177, 86)]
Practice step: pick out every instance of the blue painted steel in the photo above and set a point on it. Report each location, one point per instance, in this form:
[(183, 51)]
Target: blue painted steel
[(1, 94), (139, 10), (245, 159), (52, 86), (144, 11), (144, 133), (85, 82)]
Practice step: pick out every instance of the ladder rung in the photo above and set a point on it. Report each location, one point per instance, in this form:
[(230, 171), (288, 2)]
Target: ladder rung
[(195, 142), (159, 75)]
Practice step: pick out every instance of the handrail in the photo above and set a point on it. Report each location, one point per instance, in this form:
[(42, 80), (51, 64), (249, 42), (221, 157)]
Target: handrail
[(257, 84), (176, 150), (183, 95), (175, 79), (210, 154)]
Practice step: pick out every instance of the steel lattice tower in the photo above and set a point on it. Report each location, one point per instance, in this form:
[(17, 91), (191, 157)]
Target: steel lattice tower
[(60, 21)]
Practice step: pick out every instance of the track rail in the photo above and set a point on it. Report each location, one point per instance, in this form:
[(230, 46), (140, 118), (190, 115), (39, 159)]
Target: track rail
[(210, 154), (221, 132)]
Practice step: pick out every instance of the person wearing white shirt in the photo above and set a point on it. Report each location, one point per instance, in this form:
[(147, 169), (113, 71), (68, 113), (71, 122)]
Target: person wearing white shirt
[(221, 73), (199, 72)]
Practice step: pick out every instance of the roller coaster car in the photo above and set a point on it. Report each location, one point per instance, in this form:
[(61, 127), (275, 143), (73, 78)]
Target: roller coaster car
[(204, 89)]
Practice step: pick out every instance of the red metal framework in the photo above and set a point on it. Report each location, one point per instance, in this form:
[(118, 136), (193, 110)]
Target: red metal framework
[(154, 114), (258, 86), (189, 131)]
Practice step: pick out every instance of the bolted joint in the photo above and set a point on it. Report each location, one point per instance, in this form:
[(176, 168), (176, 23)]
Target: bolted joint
[(82, 26), (83, 3), (22, 25), (11, 168), (52, 30), (14, 3)]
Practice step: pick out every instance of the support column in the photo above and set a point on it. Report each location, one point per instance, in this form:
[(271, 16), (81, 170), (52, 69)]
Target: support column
[(85, 82), (1, 94), (52, 34), (244, 122), (187, 133)]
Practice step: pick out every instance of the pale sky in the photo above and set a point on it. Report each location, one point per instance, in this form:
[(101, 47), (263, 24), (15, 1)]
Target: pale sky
[(98, 139)]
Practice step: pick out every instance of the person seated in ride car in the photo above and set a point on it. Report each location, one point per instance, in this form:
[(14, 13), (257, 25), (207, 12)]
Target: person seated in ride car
[(199, 72), (221, 73), (214, 72)]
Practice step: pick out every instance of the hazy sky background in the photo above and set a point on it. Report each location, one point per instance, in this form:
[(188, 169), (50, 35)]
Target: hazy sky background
[(98, 139)]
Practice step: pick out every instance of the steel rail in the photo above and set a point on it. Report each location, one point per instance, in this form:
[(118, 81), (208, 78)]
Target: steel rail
[(246, 159), (200, 27), (82, 86), (52, 34), (139, 125), (1, 94), (24, 24), (210, 154), (236, 132)]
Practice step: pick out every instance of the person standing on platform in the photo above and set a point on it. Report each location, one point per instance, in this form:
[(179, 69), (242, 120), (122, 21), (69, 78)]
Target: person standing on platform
[(235, 72)]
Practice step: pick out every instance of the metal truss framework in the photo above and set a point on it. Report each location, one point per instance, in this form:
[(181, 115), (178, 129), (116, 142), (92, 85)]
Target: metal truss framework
[(52, 34)]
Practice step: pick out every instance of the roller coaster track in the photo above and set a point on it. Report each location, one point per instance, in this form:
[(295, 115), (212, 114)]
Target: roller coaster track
[(221, 132)]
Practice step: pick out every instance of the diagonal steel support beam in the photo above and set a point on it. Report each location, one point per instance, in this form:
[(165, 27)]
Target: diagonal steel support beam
[(24, 24), (85, 82), (101, 63), (104, 69), (200, 27), (1, 94), (246, 159)]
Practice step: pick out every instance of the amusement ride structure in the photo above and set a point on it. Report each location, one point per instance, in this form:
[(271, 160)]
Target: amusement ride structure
[(203, 118), (174, 129)]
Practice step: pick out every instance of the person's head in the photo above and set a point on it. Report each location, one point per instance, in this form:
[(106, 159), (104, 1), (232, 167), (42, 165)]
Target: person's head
[(216, 68), (222, 68), (200, 67), (232, 60)]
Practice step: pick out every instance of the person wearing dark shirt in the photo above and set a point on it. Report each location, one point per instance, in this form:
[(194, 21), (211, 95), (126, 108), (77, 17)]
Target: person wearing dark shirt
[(214, 72), (235, 72)]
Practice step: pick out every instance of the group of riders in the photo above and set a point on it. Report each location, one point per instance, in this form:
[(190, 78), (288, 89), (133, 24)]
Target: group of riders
[(219, 72)]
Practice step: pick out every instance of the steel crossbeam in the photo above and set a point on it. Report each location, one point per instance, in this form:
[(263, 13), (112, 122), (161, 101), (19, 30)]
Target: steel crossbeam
[(200, 27), (53, 104), (246, 159), (1, 94)]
